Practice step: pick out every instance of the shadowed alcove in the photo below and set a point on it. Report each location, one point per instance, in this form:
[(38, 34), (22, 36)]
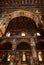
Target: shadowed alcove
[(7, 46), (40, 45), (23, 46), (21, 24)]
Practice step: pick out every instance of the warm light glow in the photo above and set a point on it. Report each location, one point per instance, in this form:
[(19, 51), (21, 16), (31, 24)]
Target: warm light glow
[(40, 55), (41, 21), (24, 56), (38, 34), (11, 63), (40, 17), (22, 34), (9, 57), (8, 34), (37, 11), (1, 33), (4, 26)]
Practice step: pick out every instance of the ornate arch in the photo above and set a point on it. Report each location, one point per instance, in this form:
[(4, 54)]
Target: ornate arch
[(9, 16), (25, 13), (4, 41), (22, 40)]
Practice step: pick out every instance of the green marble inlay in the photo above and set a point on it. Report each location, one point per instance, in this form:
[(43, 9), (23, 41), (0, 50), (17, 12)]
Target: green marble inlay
[(1, 18)]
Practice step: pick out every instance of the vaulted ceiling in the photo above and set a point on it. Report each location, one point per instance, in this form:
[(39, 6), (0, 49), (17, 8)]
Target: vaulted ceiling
[(22, 24)]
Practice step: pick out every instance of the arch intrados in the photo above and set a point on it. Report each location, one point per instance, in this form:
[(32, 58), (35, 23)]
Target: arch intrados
[(23, 40), (23, 46), (5, 41), (18, 13), (25, 13)]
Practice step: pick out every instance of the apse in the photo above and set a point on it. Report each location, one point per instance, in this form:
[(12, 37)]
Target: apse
[(21, 24)]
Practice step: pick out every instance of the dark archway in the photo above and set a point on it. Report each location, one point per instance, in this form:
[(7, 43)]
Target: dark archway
[(40, 46), (7, 46), (24, 49), (23, 46), (22, 24)]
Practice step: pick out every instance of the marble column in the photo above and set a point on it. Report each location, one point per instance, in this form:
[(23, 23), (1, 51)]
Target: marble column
[(34, 51), (13, 52)]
